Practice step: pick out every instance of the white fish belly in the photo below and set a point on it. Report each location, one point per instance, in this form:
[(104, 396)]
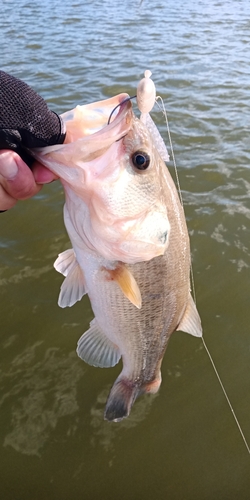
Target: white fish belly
[(140, 334)]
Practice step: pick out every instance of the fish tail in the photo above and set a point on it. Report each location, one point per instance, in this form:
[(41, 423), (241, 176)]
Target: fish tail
[(120, 400)]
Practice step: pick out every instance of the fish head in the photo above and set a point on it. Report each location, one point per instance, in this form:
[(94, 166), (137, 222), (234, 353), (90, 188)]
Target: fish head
[(112, 175), (127, 207), (90, 133)]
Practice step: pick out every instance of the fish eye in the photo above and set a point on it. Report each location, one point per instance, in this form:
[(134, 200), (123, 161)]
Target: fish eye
[(140, 160)]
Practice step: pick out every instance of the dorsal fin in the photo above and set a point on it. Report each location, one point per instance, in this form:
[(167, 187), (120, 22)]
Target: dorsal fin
[(191, 322)]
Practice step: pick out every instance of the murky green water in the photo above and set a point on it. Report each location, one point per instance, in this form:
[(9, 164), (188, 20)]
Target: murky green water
[(183, 442)]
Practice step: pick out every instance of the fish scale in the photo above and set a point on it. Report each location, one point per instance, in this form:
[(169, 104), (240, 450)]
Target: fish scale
[(142, 334), (130, 250)]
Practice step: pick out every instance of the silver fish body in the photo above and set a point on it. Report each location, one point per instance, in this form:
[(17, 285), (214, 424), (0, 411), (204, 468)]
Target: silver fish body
[(140, 336), (131, 255)]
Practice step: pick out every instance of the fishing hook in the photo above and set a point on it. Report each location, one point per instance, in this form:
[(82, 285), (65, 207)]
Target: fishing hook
[(120, 103)]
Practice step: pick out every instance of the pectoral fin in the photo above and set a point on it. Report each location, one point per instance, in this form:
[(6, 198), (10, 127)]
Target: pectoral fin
[(126, 281), (190, 322), (73, 287), (96, 349), (65, 261)]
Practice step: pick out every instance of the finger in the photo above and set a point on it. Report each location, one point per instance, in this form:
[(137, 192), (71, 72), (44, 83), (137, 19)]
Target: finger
[(15, 177), (42, 175), (6, 201)]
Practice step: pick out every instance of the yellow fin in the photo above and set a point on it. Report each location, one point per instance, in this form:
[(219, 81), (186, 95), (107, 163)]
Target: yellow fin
[(126, 281)]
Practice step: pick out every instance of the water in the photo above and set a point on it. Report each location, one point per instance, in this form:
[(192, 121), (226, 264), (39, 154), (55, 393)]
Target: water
[(182, 443)]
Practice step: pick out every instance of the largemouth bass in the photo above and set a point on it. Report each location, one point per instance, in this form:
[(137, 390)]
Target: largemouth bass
[(130, 253)]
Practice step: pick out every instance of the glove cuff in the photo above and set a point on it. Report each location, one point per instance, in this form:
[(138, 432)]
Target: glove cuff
[(62, 134)]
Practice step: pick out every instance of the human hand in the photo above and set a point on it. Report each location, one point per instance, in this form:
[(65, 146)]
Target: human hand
[(26, 122), (18, 181)]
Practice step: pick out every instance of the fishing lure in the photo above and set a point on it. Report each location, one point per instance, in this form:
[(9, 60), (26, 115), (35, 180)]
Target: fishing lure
[(146, 98), (146, 93)]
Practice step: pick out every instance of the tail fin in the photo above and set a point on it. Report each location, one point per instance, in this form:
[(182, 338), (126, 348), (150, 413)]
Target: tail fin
[(120, 400)]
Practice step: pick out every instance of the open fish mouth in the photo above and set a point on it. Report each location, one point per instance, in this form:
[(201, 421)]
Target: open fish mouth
[(95, 127), (100, 116)]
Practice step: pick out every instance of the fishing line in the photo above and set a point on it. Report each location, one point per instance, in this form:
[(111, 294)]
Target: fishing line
[(163, 110)]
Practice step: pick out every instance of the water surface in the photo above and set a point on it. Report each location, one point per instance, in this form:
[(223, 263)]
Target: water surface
[(183, 442)]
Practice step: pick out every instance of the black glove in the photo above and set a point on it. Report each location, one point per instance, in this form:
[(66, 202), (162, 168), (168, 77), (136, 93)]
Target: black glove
[(25, 119)]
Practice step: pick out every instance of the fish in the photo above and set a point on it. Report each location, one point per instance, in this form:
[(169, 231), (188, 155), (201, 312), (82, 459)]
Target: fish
[(113, 211), (130, 246)]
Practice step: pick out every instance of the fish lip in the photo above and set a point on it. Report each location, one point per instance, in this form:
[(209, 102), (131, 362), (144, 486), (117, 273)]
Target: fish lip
[(119, 126), (103, 137), (121, 101), (122, 119)]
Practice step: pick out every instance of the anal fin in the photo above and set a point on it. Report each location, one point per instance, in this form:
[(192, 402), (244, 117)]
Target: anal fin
[(191, 322), (96, 349)]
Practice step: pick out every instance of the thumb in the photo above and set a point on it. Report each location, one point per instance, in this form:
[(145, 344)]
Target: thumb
[(42, 175)]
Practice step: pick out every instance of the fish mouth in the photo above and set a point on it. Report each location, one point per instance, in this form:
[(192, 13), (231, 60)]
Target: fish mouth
[(119, 106), (110, 116), (118, 114), (95, 127), (115, 121)]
